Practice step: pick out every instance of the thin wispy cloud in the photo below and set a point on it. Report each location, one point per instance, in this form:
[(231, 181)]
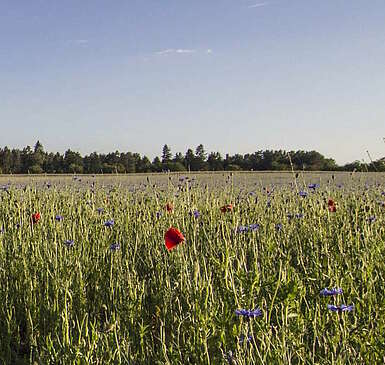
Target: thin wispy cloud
[(79, 42), (185, 51), (165, 51), (172, 50), (257, 5)]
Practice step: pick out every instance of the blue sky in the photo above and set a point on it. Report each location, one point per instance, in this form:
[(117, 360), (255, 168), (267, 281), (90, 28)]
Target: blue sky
[(235, 75)]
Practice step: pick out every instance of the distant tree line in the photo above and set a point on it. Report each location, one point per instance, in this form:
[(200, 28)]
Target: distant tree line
[(37, 161)]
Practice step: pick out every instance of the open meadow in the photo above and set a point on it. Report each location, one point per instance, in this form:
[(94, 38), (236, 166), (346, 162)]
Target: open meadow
[(86, 277)]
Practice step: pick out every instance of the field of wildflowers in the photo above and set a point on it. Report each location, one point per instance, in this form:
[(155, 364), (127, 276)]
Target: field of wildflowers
[(244, 268)]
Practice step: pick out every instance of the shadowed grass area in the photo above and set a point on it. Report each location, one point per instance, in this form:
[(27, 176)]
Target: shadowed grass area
[(142, 304)]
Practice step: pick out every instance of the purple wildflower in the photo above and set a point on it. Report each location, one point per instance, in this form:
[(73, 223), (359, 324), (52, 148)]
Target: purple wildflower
[(372, 219), (313, 186), (278, 226), (302, 194), (242, 229), (334, 291), (196, 213), (254, 227), (100, 210), (59, 218), (247, 339), (115, 247), (109, 223), (249, 313), (69, 243), (341, 308)]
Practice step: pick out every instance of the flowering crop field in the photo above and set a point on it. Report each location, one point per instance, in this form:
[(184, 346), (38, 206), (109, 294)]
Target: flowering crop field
[(243, 268)]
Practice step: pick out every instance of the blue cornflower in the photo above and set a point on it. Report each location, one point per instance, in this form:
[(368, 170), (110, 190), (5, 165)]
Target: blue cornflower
[(278, 226), (115, 247), (251, 228), (109, 223), (313, 186), (69, 243), (371, 219), (249, 313), (59, 218), (302, 194), (341, 308), (334, 291), (100, 210), (242, 229), (254, 227), (196, 213), (243, 338)]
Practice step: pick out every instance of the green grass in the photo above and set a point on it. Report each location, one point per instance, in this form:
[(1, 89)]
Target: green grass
[(144, 305)]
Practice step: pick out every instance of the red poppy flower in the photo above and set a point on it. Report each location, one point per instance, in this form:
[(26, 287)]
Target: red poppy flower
[(332, 206), (226, 208), (35, 217), (173, 238), (169, 207)]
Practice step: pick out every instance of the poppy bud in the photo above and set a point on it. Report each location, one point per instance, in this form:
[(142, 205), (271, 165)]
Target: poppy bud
[(35, 217)]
